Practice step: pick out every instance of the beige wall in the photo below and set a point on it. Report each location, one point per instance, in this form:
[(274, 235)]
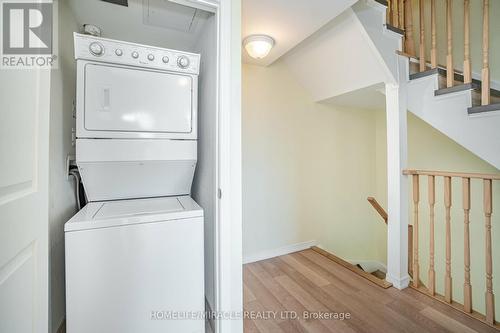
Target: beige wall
[(307, 170)]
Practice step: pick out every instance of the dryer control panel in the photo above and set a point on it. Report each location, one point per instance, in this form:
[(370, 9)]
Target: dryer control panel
[(118, 52)]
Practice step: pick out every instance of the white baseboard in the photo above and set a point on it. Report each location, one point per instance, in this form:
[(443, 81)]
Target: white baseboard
[(278, 252), (370, 266)]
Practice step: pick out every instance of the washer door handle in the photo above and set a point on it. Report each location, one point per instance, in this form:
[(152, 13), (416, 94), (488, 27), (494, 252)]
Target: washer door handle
[(106, 99)]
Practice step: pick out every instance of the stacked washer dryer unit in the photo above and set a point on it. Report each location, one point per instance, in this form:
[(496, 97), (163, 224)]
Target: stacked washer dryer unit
[(134, 253)]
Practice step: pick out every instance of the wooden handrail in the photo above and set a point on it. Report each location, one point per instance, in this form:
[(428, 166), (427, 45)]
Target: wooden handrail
[(385, 216), (487, 180), (378, 208), (409, 172)]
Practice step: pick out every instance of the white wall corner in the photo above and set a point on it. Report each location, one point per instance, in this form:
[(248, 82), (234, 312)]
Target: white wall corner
[(283, 250), (371, 21), (229, 279)]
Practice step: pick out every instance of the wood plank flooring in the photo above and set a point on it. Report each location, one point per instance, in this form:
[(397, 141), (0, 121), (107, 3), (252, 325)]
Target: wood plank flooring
[(307, 292)]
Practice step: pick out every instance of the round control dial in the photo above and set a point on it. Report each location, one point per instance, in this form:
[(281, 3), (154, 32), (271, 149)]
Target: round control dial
[(165, 59), (135, 54), (96, 49), (151, 57), (119, 52), (183, 61)]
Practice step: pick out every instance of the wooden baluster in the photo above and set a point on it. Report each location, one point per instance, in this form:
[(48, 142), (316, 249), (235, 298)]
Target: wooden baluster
[(395, 13), (432, 203), (447, 204), (389, 12), (409, 41), (422, 34), (416, 199), (488, 210), (433, 35), (485, 78), (467, 63), (449, 55), (401, 7), (467, 285), (410, 250)]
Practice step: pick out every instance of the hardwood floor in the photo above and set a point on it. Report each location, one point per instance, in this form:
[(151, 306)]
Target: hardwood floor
[(306, 284)]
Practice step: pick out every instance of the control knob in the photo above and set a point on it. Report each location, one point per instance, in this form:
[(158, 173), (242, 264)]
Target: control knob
[(183, 62), (96, 49)]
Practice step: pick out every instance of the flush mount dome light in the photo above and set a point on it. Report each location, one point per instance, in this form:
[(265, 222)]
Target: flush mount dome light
[(258, 46)]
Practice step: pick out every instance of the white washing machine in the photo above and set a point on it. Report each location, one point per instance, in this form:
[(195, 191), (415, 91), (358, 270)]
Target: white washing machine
[(134, 253)]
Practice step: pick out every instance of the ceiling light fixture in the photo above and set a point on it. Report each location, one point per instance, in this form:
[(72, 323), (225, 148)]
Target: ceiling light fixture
[(258, 46)]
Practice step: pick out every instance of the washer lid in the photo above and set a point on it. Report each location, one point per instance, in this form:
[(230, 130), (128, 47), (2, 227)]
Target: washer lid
[(107, 214)]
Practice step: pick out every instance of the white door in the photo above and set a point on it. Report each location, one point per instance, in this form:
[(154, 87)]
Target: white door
[(24, 137)]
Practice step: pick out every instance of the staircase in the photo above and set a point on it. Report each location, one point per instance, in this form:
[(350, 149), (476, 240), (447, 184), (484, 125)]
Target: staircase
[(454, 112), (460, 104), (376, 43), (464, 107), (363, 49)]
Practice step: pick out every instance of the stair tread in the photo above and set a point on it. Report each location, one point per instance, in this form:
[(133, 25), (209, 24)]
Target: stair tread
[(423, 74), (379, 274), (395, 29), (456, 88), (383, 2), (484, 108), (458, 85)]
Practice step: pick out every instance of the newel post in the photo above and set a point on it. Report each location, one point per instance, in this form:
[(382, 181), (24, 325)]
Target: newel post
[(397, 183)]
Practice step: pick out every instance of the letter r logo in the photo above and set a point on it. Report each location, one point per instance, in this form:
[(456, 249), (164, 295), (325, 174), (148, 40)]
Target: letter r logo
[(27, 27)]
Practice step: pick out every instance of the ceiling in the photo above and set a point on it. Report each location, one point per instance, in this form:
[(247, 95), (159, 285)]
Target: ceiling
[(369, 98), (159, 23), (288, 21)]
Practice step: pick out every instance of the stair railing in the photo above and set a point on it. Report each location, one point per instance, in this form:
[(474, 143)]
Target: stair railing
[(381, 211), (383, 214), (466, 178), (400, 15)]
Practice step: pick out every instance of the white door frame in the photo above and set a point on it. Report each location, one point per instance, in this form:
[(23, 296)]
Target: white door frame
[(228, 242), (229, 281)]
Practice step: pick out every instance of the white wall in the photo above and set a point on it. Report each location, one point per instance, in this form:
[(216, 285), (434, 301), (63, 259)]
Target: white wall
[(337, 59), (204, 186), (307, 170), (62, 203)]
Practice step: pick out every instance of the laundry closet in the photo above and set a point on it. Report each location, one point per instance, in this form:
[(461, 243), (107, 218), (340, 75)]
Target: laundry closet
[(142, 247)]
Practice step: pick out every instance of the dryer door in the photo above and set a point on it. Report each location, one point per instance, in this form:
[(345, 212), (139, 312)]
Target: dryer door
[(129, 102)]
